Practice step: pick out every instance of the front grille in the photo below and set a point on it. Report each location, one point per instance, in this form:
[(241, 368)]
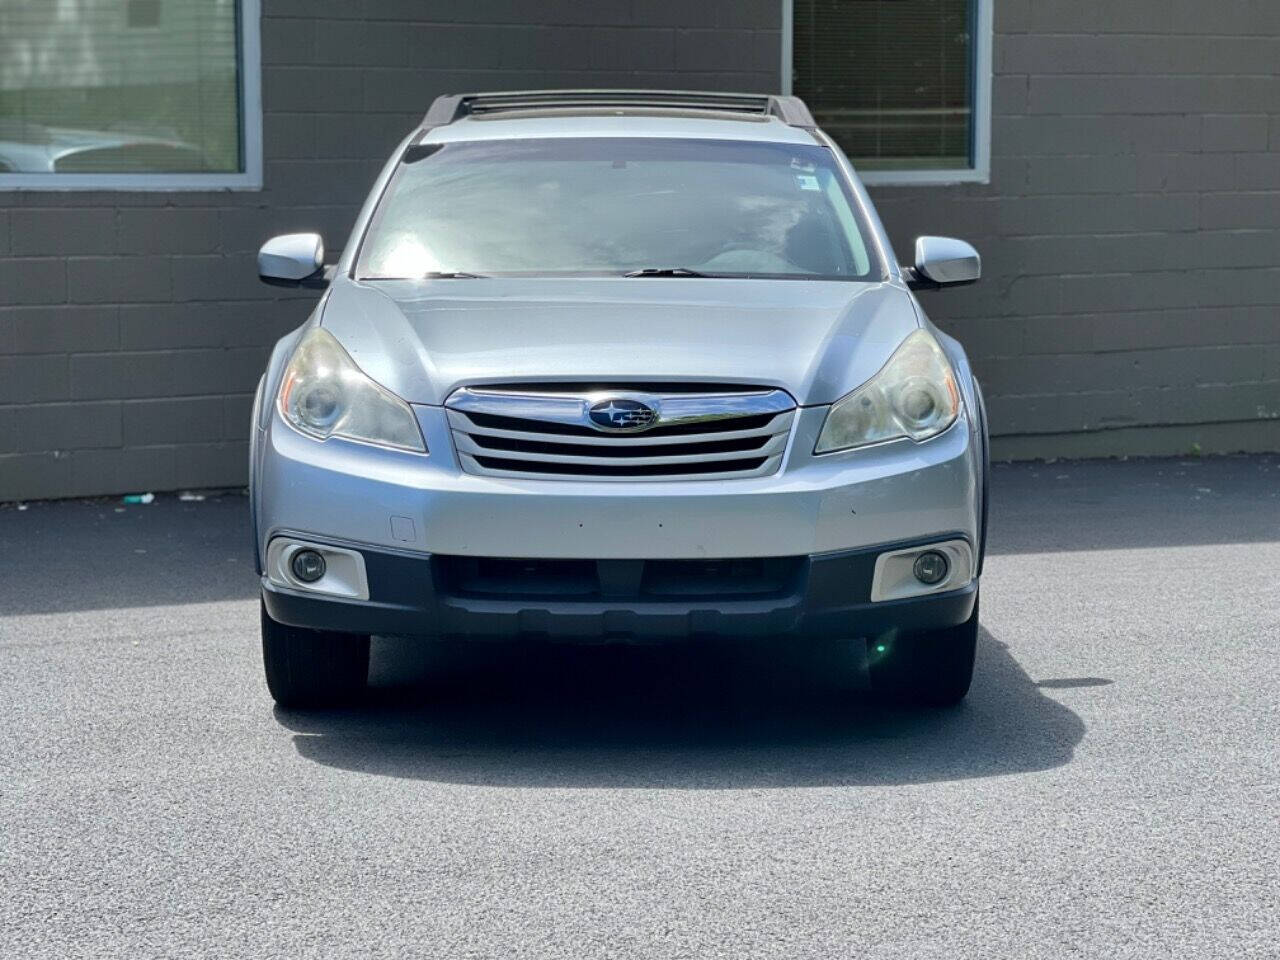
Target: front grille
[(621, 451), (715, 433), (622, 470), (620, 580), (497, 422)]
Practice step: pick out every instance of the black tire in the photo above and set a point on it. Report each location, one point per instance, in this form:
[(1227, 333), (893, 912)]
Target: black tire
[(925, 669), (313, 668)]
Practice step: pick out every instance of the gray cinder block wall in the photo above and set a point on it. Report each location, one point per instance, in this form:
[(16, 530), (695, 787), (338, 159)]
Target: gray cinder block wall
[(1130, 232), (1129, 228)]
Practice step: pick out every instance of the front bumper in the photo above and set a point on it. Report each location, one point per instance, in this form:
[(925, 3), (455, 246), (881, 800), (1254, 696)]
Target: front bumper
[(814, 596), (413, 518), (343, 491)]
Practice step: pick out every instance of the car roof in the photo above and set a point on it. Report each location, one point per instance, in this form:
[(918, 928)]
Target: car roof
[(694, 114), (632, 123)]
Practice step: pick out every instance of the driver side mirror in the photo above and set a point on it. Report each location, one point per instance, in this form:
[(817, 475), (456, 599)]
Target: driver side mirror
[(293, 260), (943, 262)]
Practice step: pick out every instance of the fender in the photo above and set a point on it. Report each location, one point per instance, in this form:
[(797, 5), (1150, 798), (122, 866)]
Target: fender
[(986, 474), (254, 442), (974, 400), (268, 385)]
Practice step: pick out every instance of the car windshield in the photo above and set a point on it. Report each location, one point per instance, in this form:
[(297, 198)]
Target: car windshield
[(617, 206)]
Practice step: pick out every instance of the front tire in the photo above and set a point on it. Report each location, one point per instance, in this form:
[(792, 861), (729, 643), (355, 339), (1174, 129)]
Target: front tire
[(313, 668), (932, 668)]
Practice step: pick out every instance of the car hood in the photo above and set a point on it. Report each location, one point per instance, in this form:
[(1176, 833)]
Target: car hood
[(424, 339)]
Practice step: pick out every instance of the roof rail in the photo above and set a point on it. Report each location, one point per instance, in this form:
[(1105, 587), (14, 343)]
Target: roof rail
[(450, 107)]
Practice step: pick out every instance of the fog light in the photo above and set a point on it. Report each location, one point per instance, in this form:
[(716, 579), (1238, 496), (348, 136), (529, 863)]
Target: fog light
[(308, 566), (931, 567)]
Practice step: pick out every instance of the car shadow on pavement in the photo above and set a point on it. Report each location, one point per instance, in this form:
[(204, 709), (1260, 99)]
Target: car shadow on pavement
[(681, 717)]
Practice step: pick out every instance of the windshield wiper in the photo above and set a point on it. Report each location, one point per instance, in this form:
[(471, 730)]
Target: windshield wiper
[(665, 272), (452, 275)]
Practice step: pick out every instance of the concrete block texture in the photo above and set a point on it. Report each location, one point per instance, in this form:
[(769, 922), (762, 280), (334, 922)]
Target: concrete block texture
[(1131, 302), (1130, 231)]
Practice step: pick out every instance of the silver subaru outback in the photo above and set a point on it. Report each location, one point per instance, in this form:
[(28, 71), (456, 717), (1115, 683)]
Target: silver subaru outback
[(621, 366)]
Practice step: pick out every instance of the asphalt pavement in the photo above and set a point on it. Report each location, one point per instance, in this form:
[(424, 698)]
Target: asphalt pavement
[(1109, 789)]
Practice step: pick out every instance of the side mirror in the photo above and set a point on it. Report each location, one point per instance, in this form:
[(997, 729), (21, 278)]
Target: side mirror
[(293, 260), (943, 262)]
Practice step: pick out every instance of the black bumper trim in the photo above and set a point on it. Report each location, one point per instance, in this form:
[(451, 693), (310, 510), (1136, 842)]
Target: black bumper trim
[(829, 600)]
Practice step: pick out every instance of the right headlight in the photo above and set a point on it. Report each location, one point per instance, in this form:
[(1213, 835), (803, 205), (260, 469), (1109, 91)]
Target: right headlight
[(914, 395), (324, 394)]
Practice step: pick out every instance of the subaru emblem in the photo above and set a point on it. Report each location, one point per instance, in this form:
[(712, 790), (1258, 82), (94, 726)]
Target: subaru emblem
[(621, 414)]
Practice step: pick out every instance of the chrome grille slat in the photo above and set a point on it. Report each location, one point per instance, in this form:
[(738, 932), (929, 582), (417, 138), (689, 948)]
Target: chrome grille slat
[(465, 444), (706, 435), (459, 421), (562, 408), (539, 471)]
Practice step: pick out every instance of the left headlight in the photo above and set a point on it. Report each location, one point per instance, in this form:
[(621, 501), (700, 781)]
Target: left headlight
[(914, 395), (324, 394)]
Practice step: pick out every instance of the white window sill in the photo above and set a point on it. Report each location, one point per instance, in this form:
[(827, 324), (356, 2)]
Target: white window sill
[(921, 178), (137, 182)]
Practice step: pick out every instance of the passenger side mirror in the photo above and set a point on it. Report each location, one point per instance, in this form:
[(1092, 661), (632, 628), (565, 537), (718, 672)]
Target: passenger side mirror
[(293, 260), (943, 262)]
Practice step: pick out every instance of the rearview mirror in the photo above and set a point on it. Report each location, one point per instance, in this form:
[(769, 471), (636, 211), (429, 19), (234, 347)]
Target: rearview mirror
[(293, 260), (943, 262)]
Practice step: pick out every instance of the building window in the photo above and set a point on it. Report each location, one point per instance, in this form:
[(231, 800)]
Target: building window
[(130, 94), (904, 86)]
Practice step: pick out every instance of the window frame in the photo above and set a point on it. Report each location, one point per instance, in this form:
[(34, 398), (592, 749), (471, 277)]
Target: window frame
[(249, 69), (980, 172)]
